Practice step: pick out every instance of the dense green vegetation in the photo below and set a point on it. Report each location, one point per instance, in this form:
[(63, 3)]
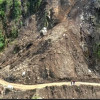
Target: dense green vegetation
[(33, 6), (2, 41), (3, 9), (16, 9), (1, 1), (12, 13)]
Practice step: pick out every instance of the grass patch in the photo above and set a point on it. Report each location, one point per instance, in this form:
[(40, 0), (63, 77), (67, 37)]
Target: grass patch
[(1, 1)]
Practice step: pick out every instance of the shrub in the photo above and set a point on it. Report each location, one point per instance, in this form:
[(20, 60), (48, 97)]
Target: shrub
[(1, 1), (16, 9), (96, 50), (3, 9), (34, 5), (2, 41), (16, 49), (2, 13), (37, 4), (46, 23), (14, 33), (36, 97)]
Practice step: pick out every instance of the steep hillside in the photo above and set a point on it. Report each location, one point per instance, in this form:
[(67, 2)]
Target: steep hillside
[(69, 50)]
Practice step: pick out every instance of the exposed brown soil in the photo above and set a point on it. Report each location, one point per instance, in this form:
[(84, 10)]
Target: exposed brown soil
[(56, 57)]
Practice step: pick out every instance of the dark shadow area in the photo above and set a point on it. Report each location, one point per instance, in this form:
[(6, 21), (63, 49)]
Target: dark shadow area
[(89, 31), (33, 7), (29, 46), (40, 15), (43, 47), (91, 20), (11, 79)]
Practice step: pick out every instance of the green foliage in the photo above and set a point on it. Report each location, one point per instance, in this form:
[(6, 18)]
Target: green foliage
[(14, 33), (16, 9), (36, 97), (46, 20), (3, 4), (1, 1), (3, 9), (2, 13), (2, 41), (37, 4), (34, 5), (96, 50), (10, 16), (21, 23), (16, 49), (9, 9)]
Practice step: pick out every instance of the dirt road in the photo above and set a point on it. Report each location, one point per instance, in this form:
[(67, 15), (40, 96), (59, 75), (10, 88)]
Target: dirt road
[(39, 86)]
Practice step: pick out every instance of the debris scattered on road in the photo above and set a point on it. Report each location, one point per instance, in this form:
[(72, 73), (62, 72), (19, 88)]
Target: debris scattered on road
[(10, 87)]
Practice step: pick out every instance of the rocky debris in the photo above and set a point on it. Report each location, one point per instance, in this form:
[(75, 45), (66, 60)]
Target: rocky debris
[(89, 70), (43, 31), (65, 51), (23, 74), (56, 92), (84, 47), (10, 87), (69, 92)]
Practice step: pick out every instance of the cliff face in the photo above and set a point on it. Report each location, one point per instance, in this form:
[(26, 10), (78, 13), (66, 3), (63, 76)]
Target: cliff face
[(66, 51), (69, 50)]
